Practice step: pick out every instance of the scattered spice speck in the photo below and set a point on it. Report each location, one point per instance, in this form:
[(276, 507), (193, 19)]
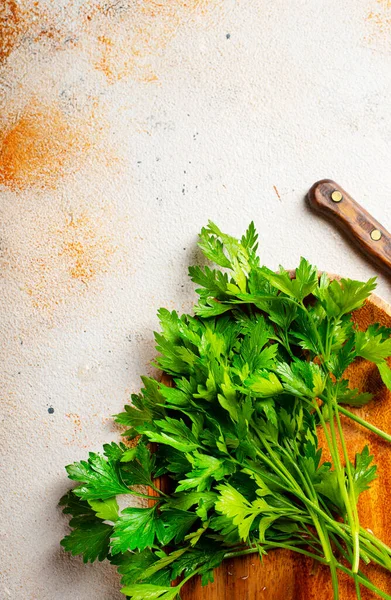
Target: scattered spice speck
[(379, 24), (277, 192)]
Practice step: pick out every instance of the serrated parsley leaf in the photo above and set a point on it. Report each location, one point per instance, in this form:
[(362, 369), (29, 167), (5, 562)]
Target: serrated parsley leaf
[(354, 397), (214, 282), (206, 470), (206, 558), (99, 478), (136, 529), (147, 591), (113, 451), (385, 373), (301, 378), (90, 536), (298, 287), (372, 347), (176, 524), (363, 472), (329, 488), (138, 470), (91, 539), (341, 297), (211, 308), (132, 565), (186, 500), (174, 433), (264, 384), (107, 510), (162, 565), (234, 505)]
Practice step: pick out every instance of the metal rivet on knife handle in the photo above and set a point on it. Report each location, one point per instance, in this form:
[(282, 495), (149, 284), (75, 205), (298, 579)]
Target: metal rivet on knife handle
[(375, 235), (336, 196)]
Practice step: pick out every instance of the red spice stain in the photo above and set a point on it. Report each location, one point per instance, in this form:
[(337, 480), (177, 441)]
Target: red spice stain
[(379, 21), (78, 436), (86, 250), (128, 35), (75, 418), (122, 38), (67, 260), (40, 146), (10, 27), (31, 22)]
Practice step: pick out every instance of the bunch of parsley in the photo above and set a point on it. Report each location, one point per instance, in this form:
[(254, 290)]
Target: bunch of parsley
[(255, 373)]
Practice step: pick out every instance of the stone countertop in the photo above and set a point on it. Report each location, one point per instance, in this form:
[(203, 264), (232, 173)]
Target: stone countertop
[(124, 128)]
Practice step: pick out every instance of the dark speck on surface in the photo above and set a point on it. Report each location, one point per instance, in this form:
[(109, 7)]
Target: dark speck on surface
[(228, 36), (50, 410)]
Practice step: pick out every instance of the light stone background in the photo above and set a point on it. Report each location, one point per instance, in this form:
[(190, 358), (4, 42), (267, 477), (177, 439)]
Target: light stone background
[(124, 127)]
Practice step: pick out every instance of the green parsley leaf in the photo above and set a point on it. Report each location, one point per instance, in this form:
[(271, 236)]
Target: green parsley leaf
[(174, 433), (91, 539), (105, 509), (147, 591), (363, 472), (90, 536), (176, 524), (138, 471), (372, 347), (264, 384), (136, 529), (342, 297), (234, 505), (132, 565), (99, 478), (206, 470)]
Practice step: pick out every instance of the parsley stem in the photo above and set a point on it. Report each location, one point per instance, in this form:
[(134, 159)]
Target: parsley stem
[(367, 534), (354, 417), (348, 557), (365, 582), (355, 533), (322, 531), (342, 486), (156, 489), (332, 443), (296, 490), (357, 586), (241, 553), (385, 551), (352, 515)]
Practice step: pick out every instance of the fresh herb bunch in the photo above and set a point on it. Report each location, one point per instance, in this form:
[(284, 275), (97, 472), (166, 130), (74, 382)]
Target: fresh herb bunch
[(254, 375)]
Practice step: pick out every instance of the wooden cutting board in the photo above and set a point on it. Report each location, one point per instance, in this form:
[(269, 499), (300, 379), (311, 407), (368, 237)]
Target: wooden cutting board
[(284, 575)]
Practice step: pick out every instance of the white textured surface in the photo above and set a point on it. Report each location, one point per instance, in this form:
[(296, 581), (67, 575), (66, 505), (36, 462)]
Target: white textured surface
[(132, 125)]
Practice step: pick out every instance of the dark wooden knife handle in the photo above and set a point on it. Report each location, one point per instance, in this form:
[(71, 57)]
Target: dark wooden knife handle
[(331, 200)]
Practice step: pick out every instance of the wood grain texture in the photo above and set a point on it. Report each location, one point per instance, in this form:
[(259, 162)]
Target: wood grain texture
[(353, 219), (284, 575)]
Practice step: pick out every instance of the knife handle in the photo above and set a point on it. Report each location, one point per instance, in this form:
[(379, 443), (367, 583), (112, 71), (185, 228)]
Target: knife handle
[(331, 200)]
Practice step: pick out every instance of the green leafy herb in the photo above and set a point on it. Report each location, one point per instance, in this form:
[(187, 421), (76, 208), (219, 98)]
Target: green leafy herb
[(255, 376)]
